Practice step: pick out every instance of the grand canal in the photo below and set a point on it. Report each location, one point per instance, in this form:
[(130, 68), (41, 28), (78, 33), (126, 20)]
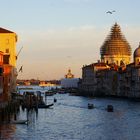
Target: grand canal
[(69, 119)]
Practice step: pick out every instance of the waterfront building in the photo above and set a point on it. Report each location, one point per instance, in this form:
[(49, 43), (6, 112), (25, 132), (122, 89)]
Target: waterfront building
[(27, 83), (89, 82), (8, 58), (136, 56), (8, 41), (1, 77), (69, 81), (116, 75), (133, 75), (106, 82), (45, 83)]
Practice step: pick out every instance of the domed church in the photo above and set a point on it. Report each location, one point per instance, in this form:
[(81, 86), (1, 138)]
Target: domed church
[(115, 49), (115, 74), (137, 55)]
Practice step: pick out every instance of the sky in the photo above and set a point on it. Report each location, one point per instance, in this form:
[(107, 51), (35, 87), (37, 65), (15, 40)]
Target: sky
[(60, 34)]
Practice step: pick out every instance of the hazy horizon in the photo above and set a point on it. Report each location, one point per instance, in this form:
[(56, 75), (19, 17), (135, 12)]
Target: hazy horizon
[(60, 34)]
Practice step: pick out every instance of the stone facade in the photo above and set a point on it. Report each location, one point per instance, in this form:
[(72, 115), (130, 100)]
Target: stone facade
[(69, 81), (89, 81), (114, 75)]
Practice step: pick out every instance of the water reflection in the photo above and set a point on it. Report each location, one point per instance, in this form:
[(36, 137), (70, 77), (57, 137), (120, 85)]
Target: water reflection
[(70, 119), (6, 131)]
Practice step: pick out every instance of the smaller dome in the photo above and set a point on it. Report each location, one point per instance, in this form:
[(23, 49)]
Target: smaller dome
[(69, 74), (137, 52)]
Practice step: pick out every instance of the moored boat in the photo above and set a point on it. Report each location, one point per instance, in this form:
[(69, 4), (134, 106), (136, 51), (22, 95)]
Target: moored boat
[(44, 105), (49, 93), (19, 122), (61, 91), (90, 106), (55, 100), (110, 108)]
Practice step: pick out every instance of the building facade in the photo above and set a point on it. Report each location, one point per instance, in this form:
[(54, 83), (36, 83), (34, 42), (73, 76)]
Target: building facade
[(69, 81), (89, 82), (8, 58), (114, 75)]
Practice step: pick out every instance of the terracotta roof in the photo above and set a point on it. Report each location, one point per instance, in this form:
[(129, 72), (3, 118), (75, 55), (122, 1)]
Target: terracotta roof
[(100, 64), (2, 30)]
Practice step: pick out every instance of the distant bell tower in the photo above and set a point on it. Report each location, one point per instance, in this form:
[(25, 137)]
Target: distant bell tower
[(69, 74)]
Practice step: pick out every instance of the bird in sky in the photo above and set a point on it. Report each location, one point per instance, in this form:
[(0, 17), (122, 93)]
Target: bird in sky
[(110, 12)]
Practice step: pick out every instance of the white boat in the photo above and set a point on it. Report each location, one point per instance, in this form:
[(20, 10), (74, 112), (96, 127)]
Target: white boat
[(19, 121)]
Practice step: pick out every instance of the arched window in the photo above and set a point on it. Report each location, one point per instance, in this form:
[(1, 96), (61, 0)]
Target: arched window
[(107, 61)]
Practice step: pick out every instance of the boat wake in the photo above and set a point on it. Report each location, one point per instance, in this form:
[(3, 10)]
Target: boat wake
[(63, 104)]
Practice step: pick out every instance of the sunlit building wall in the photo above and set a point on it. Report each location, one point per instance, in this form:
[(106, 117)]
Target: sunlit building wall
[(8, 41)]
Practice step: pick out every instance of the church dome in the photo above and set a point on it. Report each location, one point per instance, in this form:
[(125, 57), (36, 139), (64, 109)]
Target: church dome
[(115, 43), (69, 74), (137, 52)]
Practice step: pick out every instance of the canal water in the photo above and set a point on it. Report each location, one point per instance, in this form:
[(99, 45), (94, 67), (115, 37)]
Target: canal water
[(70, 119)]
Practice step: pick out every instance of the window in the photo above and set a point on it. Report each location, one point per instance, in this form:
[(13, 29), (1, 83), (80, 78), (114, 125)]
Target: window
[(107, 61), (6, 59), (137, 60), (1, 71), (7, 51)]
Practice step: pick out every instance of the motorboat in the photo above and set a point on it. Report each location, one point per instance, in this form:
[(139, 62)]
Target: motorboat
[(55, 100), (110, 108), (90, 106)]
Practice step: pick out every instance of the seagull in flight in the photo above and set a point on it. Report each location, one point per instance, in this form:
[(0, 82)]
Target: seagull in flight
[(110, 12)]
